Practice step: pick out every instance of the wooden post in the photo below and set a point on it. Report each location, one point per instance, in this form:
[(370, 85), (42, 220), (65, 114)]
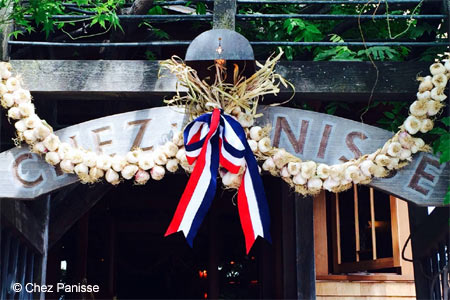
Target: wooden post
[(304, 227), (422, 267), (224, 14), (289, 243), (46, 218)]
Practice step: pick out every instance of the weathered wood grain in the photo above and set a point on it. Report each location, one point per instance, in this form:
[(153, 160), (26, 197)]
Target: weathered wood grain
[(308, 135), (325, 81)]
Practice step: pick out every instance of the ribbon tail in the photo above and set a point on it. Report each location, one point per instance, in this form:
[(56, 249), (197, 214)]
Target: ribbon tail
[(252, 203)]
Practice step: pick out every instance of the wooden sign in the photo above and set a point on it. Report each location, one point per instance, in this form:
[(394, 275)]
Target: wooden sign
[(308, 135)]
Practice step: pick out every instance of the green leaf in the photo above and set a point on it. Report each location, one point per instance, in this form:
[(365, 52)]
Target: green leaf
[(446, 121), (389, 115)]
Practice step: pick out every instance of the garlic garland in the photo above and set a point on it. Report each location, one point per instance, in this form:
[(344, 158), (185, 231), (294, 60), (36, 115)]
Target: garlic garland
[(306, 177)]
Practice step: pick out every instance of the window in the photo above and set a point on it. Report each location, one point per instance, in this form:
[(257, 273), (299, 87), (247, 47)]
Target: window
[(361, 232)]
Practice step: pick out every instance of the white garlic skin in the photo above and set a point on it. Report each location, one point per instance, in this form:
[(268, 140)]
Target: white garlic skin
[(268, 165), (256, 133), (394, 149), (52, 158), (81, 170), (95, 174), (112, 177), (14, 113), (426, 84), (253, 145), (230, 179), (419, 108), (284, 172), (299, 179), (133, 156), (439, 80), (293, 168), (26, 109), (12, 84), (329, 184), (146, 161), (118, 162), (405, 154), (438, 94), (366, 167), (41, 131), (178, 139), (90, 159), (22, 96), (104, 162), (426, 125), (157, 172), (314, 184), (412, 125), (437, 68), (264, 145), (40, 148), (29, 136), (323, 171), (433, 107), (141, 177), (170, 149), (181, 156), (7, 100), (52, 142), (160, 157), (129, 171), (66, 166), (426, 95), (246, 120), (308, 169), (172, 165)]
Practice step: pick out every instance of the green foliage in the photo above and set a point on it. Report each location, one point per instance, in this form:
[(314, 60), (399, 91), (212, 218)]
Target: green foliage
[(38, 14)]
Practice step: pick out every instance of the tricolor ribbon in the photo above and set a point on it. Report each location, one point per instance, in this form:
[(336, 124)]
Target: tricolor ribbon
[(211, 139)]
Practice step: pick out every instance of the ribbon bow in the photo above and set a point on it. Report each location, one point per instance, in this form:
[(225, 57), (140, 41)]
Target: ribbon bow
[(211, 139)]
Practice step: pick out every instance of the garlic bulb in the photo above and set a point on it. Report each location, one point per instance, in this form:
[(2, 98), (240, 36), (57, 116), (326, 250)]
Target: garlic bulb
[(268, 165), (426, 125), (65, 151), (90, 159), (129, 171), (157, 172), (426, 84), (39, 148), (337, 172), (253, 145), (412, 124), (419, 143), (437, 68), (95, 174), (394, 149), (323, 171), (20, 126), (178, 139), (32, 121), (77, 156), (42, 131), (146, 161), (353, 174), (66, 166), (280, 158), (22, 96), (314, 184), (170, 149), (378, 171), (112, 177), (118, 162), (438, 94), (405, 140), (26, 109), (172, 165), (405, 154), (14, 113), (181, 156), (366, 167), (82, 172), (394, 163), (246, 120), (12, 84), (104, 162), (299, 179), (329, 184), (256, 133), (141, 177), (7, 100), (382, 160), (5, 70), (447, 65), (433, 107), (284, 172), (52, 142), (440, 80), (160, 157), (424, 95), (231, 180), (236, 111), (52, 158), (264, 145), (293, 168), (419, 108), (308, 169), (133, 157), (29, 136)]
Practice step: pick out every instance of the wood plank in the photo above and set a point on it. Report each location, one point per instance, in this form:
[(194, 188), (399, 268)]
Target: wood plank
[(324, 81), (306, 275), (403, 228), (306, 134), (356, 215), (395, 219), (381, 263), (373, 229), (320, 234), (369, 277), (368, 289)]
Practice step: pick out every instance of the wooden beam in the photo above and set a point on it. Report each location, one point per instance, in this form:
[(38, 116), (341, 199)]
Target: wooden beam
[(304, 232), (69, 208), (125, 79)]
